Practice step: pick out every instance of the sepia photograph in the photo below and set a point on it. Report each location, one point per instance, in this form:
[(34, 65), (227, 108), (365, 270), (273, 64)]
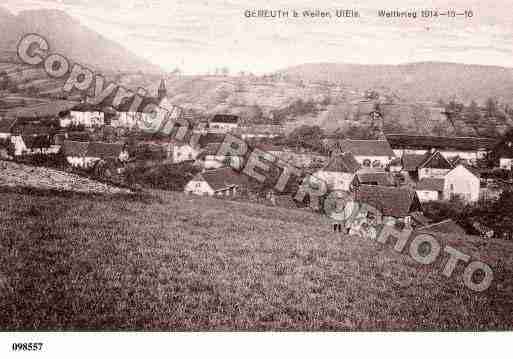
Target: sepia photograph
[(228, 166)]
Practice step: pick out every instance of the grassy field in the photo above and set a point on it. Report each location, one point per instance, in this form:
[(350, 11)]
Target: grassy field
[(172, 262)]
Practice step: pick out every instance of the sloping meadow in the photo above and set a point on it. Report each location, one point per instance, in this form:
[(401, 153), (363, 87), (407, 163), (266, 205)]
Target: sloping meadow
[(177, 262)]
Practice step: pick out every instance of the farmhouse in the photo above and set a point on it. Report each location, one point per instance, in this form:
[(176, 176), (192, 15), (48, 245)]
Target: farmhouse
[(142, 116), (87, 154), (223, 123), (430, 164), (399, 204), (209, 158), (75, 153), (217, 182), (29, 140), (180, 152), (462, 183), (504, 153), (373, 177), (339, 173), (84, 115), (430, 189), (259, 131), (468, 148), (368, 153)]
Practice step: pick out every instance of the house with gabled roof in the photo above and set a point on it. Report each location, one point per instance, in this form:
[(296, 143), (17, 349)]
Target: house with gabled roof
[(463, 183), (429, 164), (33, 139), (84, 115), (398, 203), (368, 153), (216, 182), (373, 177), (460, 182), (339, 173), (88, 154), (223, 123), (430, 189), (503, 153)]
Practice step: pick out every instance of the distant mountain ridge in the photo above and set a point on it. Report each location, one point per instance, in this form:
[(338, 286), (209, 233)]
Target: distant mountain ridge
[(423, 81), (68, 37)]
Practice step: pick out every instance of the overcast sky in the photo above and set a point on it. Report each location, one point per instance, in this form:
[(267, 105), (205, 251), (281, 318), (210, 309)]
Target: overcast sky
[(200, 35)]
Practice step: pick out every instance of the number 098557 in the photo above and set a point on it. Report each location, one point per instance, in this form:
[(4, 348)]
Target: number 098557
[(27, 346)]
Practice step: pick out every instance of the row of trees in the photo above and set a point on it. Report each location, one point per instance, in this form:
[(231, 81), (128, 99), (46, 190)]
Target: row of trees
[(475, 120)]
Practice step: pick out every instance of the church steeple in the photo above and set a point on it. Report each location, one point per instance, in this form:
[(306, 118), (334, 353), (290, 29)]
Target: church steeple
[(162, 92)]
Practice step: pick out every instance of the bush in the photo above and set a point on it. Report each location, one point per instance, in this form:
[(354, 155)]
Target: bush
[(170, 177)]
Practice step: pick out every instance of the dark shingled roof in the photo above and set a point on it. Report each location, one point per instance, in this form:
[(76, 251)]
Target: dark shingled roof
[(210, 137), (75, 148), (366, 147), (342, 162), (225, 119), (104, 150), (447, 226), (412, 161), (375, 178), (391, 201), (37, 141), (6, 125), (441, 143), (431, 184), (92, 149), (222, 178)]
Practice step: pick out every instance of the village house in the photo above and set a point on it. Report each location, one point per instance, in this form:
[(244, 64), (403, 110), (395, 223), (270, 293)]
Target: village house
[(430, 189), (87, 154), (208, 158), (462, 183), (143, 116), (373, 177), (504, 153), (458, 182), (339, 173), (75, 153), (223, 123), (394, 203), (468, 148), (259, 131), (181, 152), (368, 153), (216, 182), (32, 139), (300, 159), (84, 115), (428, 165)]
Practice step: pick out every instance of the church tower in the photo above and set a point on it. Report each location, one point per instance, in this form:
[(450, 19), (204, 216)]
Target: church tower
[(162, 92)]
